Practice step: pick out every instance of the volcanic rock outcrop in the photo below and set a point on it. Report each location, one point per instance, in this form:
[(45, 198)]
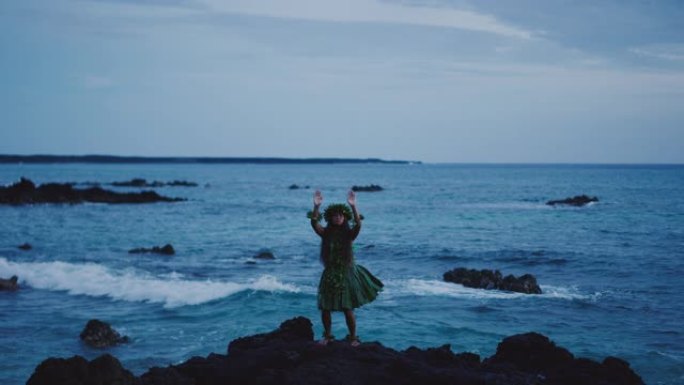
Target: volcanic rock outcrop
[(493, 280), (289, 355), (100, 334), (26, 192)]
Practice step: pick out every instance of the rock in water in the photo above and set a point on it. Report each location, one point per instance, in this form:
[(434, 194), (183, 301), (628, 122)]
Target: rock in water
[(25, 192), (140, 182), (264, 254), (369, 188), (579, 200), (25, 246), (493, 280), (100, 334), (9, 284), (165, 250)]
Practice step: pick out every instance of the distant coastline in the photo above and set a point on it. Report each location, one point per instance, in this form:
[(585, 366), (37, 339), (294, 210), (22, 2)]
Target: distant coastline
[(205, 160)]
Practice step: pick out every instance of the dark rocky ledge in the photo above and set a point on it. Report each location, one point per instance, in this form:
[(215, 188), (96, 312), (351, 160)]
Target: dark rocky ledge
[(26, 192), (493, 280), (289, 356), (579, 200)]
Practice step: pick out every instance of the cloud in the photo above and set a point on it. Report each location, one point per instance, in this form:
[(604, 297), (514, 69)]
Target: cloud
[(670, 52), (370, 11)]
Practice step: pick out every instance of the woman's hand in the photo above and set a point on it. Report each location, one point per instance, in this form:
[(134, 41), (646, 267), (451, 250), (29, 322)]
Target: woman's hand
[(351, 198), (317, 198)]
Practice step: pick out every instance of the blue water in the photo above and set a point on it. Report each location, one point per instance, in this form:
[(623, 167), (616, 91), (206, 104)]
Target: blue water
[(611, 272)]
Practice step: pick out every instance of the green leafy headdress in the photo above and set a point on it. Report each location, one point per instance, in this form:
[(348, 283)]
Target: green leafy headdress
[(336, 208)]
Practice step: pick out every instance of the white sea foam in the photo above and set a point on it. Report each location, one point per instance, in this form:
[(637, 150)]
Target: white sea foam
[(568, 293), (434, 287), (97, 280), (424, 287)]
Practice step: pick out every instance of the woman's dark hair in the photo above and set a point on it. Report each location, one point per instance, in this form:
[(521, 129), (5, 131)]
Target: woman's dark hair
[(344, 235)]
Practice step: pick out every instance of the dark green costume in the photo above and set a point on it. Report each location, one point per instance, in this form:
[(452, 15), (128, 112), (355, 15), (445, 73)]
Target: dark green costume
[(344, 285)]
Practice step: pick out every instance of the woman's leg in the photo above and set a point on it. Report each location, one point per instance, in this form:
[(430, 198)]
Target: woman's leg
[(351, 323), (327, 323)]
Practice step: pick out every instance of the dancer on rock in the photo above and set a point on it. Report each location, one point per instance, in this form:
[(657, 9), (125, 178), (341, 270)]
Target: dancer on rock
[(344, 285)]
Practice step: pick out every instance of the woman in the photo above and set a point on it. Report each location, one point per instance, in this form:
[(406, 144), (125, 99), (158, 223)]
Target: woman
[(344, 285)]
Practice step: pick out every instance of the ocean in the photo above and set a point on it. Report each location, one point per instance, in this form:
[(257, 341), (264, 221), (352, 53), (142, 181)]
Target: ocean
[(611, 272)]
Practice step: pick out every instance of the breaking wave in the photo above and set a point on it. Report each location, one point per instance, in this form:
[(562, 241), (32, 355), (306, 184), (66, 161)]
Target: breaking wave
[(99, 281)]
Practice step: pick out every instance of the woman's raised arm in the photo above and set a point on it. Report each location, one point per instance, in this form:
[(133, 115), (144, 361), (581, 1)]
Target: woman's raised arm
[(316, 216), (351, 199)]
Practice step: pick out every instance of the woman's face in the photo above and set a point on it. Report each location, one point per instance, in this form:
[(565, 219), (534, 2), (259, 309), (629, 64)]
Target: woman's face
[(337, 219)]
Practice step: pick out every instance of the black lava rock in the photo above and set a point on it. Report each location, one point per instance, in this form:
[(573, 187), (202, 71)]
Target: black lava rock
[(100, 334), (535, 353), (164, 250), (289, 355), (264, 254), (104, 370), (140, 182), (493, 280), (9, 284), (369, 188), (578, 201), (26, 192)]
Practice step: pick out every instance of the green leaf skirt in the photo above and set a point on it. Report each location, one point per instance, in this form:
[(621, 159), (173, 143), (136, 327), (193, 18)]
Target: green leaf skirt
[(344, 288)]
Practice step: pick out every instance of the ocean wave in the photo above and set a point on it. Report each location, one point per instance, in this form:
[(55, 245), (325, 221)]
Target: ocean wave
[(423, 287), (533, 260), (514, 205), (99, 281)]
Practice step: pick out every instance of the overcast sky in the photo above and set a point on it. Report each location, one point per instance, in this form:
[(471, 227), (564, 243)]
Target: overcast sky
[(429, 80)]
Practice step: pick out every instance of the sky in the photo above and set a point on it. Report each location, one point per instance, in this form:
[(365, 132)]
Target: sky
[(438, 81)]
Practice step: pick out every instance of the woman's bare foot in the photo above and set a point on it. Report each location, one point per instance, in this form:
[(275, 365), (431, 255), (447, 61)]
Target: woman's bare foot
[(326, 339), (353, 341)]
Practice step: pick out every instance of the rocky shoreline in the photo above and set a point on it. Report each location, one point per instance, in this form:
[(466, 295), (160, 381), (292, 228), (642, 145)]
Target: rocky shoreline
[(26, 192), (289, 355)]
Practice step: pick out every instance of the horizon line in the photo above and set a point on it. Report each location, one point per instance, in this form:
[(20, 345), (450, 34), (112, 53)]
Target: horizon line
[(133, 159), (98, 158)]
